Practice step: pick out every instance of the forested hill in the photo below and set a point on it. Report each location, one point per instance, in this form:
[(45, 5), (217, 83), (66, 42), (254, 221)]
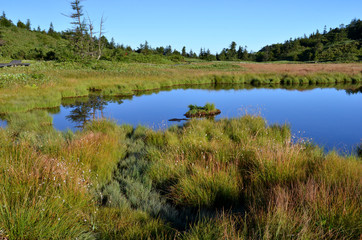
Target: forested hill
[(20, 41), (338, 44)]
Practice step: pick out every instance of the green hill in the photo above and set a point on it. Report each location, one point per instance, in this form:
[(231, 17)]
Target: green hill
[(338, 44), (22, 43), (18, 41)]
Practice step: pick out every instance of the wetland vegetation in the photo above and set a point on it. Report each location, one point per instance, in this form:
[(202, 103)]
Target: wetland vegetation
[(232, 178), (208, 110)]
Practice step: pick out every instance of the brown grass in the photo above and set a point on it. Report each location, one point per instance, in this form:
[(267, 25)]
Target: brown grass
[(303, 69)]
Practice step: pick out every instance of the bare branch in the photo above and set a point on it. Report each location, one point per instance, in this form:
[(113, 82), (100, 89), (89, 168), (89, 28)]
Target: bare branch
[(100, 37)]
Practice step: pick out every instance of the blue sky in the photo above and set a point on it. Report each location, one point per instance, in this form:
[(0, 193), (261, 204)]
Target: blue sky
[(209, 24)]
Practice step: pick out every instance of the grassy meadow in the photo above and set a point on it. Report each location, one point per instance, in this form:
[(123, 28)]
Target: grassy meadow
[(45, 84), (229, 179)]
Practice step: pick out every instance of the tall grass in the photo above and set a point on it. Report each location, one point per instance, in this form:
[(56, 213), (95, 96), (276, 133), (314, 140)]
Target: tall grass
[(230, 179)]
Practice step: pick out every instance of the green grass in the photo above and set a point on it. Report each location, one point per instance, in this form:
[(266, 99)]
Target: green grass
[(196, 111), (45, 84), (230, 179)]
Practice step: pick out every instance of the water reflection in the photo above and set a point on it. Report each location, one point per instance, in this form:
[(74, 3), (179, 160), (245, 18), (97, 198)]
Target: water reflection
[(83, 110), (2, 122), (331, 117), (354, 90)]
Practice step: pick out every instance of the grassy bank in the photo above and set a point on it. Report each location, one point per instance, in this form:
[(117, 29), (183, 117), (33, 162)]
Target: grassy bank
[(230, 179), (45, 84)]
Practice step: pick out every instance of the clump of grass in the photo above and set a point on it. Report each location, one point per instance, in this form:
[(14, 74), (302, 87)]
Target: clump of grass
[(121, 223), (208, 110), (32, 80), (223, 226), (229, 179), (41, 197)]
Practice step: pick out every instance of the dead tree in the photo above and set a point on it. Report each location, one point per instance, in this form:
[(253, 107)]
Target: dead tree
[(100, 46), (91, 39)]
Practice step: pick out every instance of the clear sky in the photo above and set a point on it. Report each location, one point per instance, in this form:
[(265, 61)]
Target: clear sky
[(209, 24)]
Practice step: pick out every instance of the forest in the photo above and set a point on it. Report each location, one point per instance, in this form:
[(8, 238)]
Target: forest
[(21, 41)]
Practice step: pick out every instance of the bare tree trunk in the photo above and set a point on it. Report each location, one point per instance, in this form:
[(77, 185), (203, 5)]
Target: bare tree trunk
[(91, 40), (100, 38)]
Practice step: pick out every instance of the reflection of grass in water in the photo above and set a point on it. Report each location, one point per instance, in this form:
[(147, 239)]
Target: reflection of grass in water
[(51, 81), (233, 178)]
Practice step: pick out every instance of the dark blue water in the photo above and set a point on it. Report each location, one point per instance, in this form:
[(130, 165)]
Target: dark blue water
[(329, 117)]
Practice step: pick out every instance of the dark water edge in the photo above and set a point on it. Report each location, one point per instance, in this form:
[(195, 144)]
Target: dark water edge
[(330, 116)]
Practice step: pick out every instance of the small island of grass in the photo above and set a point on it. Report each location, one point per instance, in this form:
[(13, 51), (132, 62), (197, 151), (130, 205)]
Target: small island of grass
[(206, 111)]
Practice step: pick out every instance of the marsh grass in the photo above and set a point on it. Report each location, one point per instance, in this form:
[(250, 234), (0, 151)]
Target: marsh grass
[(229, 179), (45, 84), (208, 110)]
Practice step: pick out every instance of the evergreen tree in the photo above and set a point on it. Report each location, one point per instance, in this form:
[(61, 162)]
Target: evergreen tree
[(20, 24), (28, 25), (79, 27), (112, 44), (355, 29), (191, 54), (184, 51), (240, 53), (51, 29), (231, 53), (160, 50), (4, 22), (168, 51)]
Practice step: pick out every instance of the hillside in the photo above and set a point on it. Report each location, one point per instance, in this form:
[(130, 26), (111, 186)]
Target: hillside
[(338, 44), (18, 41)]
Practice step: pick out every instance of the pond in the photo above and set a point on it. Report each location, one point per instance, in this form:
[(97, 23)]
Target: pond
[(327, 116), (2, 123)]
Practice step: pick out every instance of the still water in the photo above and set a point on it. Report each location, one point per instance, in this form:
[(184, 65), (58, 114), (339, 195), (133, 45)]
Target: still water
[(329, 117), (2, 123)]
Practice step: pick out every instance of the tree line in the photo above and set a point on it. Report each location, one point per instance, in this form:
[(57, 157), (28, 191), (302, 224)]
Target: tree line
[(86, 41)]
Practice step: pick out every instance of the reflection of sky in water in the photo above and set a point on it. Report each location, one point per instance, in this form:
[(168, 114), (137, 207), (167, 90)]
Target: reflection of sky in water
[(2, 123), (329, 116)]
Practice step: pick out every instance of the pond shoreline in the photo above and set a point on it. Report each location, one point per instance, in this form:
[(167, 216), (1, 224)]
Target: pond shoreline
[(54, 100)]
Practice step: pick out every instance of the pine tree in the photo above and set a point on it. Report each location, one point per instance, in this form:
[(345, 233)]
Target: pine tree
[(51, 29), (20, 24), (79, 27), (28, 25), (4, 22), (184, 51)]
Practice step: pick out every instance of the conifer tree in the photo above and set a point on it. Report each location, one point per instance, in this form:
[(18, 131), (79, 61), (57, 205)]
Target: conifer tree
[(183, 52), (51, 29), (28, 25)]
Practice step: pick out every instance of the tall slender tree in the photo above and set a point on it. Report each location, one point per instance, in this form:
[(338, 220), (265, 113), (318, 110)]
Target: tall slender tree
[(79, 27), (183, 53), (28, 25), (51, 29)]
